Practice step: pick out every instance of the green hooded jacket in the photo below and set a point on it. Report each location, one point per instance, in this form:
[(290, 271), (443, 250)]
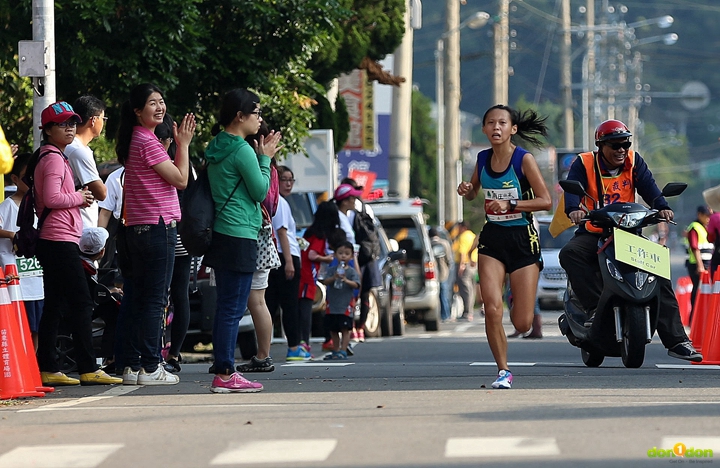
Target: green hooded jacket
[(232, 159)]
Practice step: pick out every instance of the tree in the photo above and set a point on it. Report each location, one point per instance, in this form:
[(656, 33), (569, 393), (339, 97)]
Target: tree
[(423, 153), (195, 51)]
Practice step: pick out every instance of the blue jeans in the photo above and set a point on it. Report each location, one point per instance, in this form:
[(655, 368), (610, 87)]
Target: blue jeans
[(233, 290), (152, 253), (445, 299)]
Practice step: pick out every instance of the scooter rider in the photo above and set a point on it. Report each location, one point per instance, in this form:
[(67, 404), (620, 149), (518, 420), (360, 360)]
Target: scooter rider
[(613, 174)]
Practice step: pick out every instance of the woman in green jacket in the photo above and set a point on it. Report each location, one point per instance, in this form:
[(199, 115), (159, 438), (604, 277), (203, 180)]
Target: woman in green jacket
[(240, 177)]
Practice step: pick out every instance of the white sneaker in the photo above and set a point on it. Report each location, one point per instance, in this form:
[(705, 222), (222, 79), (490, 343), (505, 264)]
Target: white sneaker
[(130, 377), (159, 377)]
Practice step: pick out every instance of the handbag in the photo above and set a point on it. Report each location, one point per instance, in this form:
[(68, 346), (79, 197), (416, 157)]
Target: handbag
[(267, 254)]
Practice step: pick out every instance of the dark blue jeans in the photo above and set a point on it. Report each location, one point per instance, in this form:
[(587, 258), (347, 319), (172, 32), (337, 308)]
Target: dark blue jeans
[(233, 290), (152, 253), (67, 296)]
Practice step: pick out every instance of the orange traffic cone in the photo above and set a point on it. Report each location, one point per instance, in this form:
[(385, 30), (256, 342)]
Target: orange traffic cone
[(683, 294), (710, 330), (702, 306), (11, 275), (15, 380)]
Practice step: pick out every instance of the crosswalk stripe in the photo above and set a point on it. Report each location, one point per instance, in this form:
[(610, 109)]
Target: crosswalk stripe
[(276, 451), (486, 447), (58, 456)]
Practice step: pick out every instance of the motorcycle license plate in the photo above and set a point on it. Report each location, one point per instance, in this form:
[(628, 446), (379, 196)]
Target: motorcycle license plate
[(641, 253)]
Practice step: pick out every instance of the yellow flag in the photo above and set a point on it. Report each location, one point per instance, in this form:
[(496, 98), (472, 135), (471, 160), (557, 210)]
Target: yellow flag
[(560, 220), (6, 156)]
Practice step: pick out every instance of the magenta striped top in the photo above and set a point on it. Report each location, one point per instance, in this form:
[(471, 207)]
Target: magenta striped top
[(147, 195)]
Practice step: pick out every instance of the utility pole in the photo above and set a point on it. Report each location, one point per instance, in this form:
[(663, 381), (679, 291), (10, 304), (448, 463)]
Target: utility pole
[(44, 94), (566, 78), (399, 154), (589, 73), (502, 54), (452, 107)]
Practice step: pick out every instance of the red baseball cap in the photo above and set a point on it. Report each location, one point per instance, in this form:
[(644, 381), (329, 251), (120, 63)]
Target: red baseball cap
[(58, 112)]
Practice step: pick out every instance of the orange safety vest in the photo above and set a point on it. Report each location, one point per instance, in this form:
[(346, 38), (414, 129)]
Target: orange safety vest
[(614, 189)]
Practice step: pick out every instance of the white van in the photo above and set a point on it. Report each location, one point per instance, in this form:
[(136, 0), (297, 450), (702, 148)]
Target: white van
[(404, 222)]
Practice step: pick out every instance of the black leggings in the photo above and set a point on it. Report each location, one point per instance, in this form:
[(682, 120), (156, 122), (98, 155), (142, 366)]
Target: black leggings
[(179, 286), (283, 293)]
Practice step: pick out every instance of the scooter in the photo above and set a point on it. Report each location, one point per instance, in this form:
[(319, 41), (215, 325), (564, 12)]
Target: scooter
[(627, 313)]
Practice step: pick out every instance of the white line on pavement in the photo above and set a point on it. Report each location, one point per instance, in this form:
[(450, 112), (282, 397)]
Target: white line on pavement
[(460, 447), (58, 456), (277, 451)]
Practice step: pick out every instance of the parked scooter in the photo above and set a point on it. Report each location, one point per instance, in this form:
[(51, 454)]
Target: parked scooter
[(626, 315)]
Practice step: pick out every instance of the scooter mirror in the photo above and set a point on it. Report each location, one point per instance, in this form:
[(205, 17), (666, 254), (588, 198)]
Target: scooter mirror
[(573, 186), (674, 189)]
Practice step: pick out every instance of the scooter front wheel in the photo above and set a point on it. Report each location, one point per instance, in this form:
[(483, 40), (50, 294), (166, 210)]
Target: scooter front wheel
[(634, 336), (590, 359)]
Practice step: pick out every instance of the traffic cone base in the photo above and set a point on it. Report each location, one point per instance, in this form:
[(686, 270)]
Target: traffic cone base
[(15, 378), (11, 274)]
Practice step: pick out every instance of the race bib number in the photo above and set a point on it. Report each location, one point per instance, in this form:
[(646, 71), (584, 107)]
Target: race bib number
[(28, 267)]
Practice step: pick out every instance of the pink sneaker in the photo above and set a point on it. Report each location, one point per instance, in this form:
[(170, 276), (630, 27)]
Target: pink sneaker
[(361, 335), (327, 346), (354, 335), (235, 384)]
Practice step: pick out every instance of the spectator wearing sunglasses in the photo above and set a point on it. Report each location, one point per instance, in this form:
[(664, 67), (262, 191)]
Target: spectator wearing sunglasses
[(613, 174)]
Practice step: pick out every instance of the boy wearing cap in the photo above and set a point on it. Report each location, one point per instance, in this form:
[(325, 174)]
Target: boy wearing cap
[(92, 249)]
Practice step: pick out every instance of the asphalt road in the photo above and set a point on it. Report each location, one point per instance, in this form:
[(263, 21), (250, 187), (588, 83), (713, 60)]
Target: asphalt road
[(421, 400)]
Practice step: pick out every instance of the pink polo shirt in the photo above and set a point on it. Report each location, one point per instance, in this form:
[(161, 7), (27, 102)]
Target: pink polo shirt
[(55, 189), (147, 195)]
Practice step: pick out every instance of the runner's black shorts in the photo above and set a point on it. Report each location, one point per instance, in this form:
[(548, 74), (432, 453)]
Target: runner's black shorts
[(515, 246)]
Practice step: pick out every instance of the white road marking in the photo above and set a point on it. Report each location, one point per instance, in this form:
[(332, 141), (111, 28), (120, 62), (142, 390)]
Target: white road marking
[(114, 408), (485, 447), (686, 366), (511, 364), (58, 456), (113, 392), (276, 451)]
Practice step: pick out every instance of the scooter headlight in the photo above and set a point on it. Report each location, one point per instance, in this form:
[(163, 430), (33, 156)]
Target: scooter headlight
[(640, 278), (614, 272), (629, 220)]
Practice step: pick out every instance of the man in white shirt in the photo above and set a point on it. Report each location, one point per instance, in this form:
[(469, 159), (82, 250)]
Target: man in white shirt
[(80, 156)]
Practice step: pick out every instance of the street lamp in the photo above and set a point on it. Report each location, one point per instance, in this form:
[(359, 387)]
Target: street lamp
[(475, 21)]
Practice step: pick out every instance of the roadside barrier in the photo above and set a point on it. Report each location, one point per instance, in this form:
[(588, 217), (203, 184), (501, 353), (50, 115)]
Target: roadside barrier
[(683, 294), (13, 286), (15, 378)]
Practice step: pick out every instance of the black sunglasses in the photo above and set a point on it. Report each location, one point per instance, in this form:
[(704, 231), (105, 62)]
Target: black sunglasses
[(623, 145)]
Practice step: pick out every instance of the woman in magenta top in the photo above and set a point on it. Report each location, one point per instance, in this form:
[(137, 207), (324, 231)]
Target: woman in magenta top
[(66, 289), (151, 212)]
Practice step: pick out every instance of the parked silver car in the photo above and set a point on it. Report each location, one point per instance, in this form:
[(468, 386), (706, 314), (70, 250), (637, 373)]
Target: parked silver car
[(404, 221), (553, 279)]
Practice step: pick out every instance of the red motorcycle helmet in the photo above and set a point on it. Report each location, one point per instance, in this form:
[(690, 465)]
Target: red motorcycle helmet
[(610, 130)]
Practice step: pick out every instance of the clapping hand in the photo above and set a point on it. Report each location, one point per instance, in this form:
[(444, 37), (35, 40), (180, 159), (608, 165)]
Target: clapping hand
[(268, 145)]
